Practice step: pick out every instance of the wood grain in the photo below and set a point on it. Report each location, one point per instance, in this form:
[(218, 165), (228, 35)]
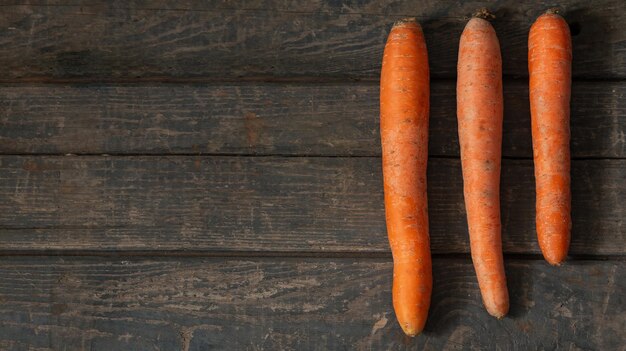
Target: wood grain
[(275, 204), (181, 204), (75, 303), (172, 39), (283, 119)]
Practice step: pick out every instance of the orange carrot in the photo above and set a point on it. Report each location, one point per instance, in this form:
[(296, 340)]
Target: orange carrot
[(479, 112), (404, 109), (550, 64)]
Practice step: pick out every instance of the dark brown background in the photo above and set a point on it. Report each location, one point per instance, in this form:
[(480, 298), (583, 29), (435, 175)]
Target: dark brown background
[(186, 175)]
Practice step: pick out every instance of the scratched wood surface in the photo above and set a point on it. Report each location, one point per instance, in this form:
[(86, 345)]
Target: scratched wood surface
[(193, 175), (297, 304), (257, 118), (277, 38), (214, 203)]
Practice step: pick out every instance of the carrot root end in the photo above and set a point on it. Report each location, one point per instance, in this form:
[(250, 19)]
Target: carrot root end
[(554, 258), (410, 331), (498, 315), (556, 263)]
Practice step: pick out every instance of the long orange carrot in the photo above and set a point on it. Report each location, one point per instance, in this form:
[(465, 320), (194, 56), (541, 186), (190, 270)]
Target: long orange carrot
[(479, 112), (550, 65), (404, 109)]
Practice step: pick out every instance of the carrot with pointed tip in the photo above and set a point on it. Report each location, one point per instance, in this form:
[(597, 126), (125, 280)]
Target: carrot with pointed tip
[(479, 112), (404, 110), (549, 66)]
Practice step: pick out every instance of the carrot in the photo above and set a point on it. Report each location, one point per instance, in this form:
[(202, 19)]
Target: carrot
[(549, 65), (479, 112), (404, 109)]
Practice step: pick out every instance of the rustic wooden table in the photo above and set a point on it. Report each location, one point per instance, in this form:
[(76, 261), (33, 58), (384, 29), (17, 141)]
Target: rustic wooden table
[(186, 175)]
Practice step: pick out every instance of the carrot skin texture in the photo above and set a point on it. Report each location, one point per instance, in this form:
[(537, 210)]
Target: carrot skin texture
[(479, 113), (550, 66), (404, 112)]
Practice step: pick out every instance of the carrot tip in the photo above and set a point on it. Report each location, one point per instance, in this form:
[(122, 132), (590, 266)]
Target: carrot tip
[(410, 332), (484, 14), (555, 259), (405, 21), (556, 263), (498, 315)]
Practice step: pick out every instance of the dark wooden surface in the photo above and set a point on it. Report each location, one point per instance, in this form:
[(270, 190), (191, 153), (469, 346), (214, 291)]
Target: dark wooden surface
[(193, 175), (275, 119), (282, 204), (277, 38), (297, 304)]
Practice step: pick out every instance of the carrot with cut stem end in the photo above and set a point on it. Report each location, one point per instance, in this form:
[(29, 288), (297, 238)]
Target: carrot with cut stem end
[(404, 110), (479, 113), (550, 67)]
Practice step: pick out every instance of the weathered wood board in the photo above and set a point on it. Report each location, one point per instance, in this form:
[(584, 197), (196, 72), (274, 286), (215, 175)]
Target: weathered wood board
[(319, 204), (241, 205), (167, 39), (76, 303), (284, 119)]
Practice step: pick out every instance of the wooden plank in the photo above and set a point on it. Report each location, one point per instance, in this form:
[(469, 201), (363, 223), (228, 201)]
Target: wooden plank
[(277, 38), (277, 204), (293, 119), (79, 303)]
